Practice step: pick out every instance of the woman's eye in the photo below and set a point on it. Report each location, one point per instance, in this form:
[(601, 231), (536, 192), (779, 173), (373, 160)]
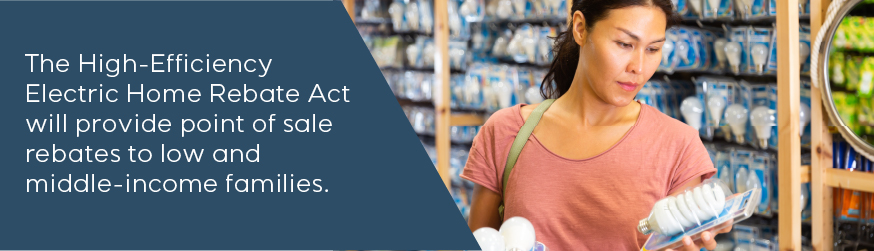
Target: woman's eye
[(653, 50), (624, 45)]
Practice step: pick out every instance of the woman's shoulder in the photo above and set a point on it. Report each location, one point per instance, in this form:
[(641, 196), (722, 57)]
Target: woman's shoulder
[(509, 117)]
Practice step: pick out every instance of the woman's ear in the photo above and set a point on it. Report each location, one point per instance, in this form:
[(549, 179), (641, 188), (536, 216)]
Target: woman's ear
[(579, 28)]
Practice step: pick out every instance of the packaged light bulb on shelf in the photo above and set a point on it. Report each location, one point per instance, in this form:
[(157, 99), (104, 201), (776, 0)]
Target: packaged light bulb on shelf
[(458, 55), (723, 166), (760, 177), (758, 47), (805, 115), (735, 49), (740, 168), (804, 49), (718, 9), (698, 209), (754, 9), (472, 10)]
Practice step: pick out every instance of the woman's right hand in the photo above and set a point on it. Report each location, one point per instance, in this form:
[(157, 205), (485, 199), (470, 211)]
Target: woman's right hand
[(484, 209)]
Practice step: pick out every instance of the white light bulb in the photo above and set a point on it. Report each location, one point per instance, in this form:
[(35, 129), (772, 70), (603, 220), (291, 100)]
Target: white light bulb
[(556, 4), (518, 234), (529, 46), (763, 119), (412, 14), (532, 95), (692, 109), (804, 191), (471, 91), (733, 51), (760, 56), (519, 6), (504, 93), (489, 239), (675, 211), (683, 51), (454, 21), (696, 5), (667, 48), (716, 103), (412, 54), (686, 211), (514, 48), (719, 48), (699, 196), (714, 7), (396, 10), (499, 49), (740, 177), (736, 115), (804, 51), (468, 9), (803, 118), (693, 206), (660, 220), (505, 9), (719, 196)]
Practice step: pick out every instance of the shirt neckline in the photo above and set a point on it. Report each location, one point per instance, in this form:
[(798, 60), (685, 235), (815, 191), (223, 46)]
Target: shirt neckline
[(643, 108)]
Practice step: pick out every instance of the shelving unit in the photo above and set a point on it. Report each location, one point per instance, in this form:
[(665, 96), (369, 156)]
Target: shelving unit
[(822, 175)]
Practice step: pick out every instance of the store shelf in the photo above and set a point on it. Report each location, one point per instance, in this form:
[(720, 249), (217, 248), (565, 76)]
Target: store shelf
[(859, 181), (468, 119)]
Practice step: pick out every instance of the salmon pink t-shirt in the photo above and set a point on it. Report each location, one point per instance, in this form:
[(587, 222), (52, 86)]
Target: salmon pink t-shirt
[(593, 203)]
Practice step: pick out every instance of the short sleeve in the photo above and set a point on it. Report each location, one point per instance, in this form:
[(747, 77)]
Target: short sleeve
[(481, 168), (488, 153), (694, 162)]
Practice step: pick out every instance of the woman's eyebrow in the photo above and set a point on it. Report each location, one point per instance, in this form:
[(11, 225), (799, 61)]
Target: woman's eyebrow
[(637, 38)]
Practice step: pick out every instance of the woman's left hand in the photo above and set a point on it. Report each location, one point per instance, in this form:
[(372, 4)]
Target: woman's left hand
[(706, 239)]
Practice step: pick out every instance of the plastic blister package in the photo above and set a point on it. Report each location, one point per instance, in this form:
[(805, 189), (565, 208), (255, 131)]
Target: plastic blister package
[(700, 208)]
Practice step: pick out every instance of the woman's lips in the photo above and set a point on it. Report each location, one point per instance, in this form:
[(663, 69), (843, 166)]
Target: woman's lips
[(628, 86)]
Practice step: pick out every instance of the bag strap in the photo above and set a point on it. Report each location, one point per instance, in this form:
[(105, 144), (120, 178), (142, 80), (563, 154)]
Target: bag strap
[(519, 143)]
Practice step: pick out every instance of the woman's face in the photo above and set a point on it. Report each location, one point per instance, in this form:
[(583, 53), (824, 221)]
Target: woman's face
[(621, 52)]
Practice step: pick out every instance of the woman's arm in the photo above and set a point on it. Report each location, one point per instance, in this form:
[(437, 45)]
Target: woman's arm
[(484, 209)]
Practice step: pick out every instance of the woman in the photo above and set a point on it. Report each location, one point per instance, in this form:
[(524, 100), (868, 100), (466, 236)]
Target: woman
[(597, 161)]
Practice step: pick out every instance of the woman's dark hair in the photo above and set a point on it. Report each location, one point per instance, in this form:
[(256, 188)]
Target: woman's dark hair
[(567, 51)]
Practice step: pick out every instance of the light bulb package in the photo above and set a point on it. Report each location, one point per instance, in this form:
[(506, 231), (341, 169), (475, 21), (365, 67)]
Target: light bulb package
[(474, 85), (459, 27), (760, 177), (699, 209), (804, 49), (772, 104), (740, 168), (723, 167), (805, 116), (718, 9), (472, 10), (686, 49), (758, 48), (746, 99), (721, 93), (755, 9), (735, 50), (669, 60), (695, 113), (763, 117), (458, 55)]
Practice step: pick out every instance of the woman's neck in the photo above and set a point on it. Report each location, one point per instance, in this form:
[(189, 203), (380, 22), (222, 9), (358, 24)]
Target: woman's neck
[(581, 104)]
